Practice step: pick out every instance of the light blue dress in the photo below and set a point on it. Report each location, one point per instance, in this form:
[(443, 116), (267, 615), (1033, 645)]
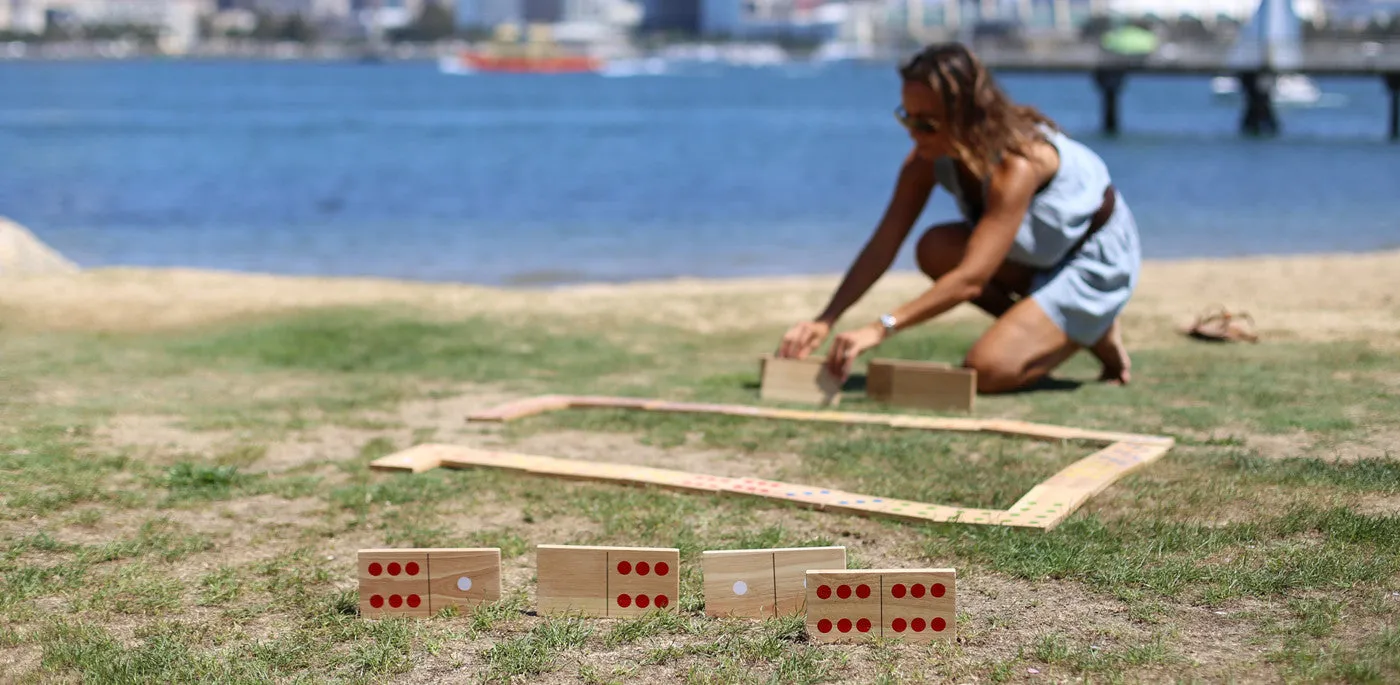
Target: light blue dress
[(1084, 292)]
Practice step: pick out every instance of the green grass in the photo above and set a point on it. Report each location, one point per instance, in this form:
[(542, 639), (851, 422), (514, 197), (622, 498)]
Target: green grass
[(177, 564)]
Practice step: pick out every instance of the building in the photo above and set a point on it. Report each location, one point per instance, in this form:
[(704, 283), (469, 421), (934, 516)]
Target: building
[(668, 16), (769, 19), (1205, 10), (177, 21), (1356, 12), (23, 16), (567, 20), (479, 14)]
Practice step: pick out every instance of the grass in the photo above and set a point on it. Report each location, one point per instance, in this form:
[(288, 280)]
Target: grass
[(203, 557)]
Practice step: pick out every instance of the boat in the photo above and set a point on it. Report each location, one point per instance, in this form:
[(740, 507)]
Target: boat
[(473, 60), (1288, 89), (1272, 40), (537, 55)]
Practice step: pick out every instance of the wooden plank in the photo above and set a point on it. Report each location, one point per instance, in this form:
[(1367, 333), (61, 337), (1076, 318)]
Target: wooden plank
[(923, 385), (1050, 502), (1007, 427), (1044, 507), (416, 459), (468, 457), (937, 423), (1043, 431), (802, 381), (608, 402), (521, 408)]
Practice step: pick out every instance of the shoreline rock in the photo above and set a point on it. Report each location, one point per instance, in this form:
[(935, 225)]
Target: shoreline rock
[(23, 254)]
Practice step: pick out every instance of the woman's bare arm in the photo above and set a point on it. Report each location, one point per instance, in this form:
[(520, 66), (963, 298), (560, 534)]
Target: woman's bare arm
[(1008, 199), (912, 190)]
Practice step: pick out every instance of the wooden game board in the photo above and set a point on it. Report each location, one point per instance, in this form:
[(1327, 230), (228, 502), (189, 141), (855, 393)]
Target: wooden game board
[(1044, 507)]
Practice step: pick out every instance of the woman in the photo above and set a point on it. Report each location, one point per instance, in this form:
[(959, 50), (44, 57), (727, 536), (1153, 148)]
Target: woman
[(1047, 245)]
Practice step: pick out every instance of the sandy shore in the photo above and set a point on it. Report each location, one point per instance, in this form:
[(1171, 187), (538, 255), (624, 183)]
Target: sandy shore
[(1314, 297)]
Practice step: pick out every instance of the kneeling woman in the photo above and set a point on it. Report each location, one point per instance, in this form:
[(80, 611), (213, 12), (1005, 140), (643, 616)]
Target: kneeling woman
[(1047, 245)]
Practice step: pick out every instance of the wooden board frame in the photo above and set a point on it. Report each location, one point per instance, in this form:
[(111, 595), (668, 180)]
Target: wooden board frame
[(1043, 507)]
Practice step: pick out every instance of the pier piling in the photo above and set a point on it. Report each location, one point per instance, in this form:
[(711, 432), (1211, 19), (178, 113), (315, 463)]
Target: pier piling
[(1110, 84), (1259, 118), (1392, 84)]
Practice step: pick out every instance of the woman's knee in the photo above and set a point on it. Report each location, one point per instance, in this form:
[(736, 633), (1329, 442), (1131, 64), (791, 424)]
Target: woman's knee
[(996, 374), (1001, 368), (941, 248)]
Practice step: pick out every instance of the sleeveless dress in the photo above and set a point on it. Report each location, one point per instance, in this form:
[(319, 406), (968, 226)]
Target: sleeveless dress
[(1083, 292)]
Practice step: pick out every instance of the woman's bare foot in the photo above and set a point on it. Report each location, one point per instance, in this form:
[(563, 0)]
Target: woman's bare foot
[(1117, 367)]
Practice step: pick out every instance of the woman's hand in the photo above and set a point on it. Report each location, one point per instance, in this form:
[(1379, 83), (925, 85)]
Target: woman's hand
[(803, 339), (850, 345)]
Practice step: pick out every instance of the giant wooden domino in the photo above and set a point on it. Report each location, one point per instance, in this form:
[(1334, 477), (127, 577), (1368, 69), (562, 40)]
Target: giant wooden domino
[(857, 605), (840, 604), (420, 582), (923, 385), (763, 583), (806, 381), (606, 581)]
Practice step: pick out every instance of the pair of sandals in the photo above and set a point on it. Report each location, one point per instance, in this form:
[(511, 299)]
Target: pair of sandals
[(1218, 324)]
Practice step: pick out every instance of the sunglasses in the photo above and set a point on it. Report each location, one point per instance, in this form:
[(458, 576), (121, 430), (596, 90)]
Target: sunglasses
[(919, 124)]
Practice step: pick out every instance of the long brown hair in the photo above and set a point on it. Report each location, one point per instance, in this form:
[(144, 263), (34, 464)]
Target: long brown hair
[(983, 123)]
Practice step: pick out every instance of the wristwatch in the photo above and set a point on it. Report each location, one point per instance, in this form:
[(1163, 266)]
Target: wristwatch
[(887, 320)]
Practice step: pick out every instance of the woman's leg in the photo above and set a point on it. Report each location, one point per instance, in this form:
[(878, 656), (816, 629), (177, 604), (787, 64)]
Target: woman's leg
[(1117, 367), (1030, 345), (1020, 349), (940, 250)]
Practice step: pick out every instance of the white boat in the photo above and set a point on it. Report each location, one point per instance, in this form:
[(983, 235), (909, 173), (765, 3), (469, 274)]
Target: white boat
[(1272, 38), (1288, 89)]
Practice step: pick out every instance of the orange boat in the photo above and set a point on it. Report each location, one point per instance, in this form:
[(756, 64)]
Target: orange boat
[(528, 63)]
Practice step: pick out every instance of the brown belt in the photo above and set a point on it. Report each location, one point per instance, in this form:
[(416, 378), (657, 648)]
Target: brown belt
[(1101, 217)]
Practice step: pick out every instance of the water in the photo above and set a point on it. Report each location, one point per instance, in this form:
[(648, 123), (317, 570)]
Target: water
[(400, 171)]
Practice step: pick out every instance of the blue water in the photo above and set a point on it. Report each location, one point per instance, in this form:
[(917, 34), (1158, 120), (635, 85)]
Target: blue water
[(398, 170)]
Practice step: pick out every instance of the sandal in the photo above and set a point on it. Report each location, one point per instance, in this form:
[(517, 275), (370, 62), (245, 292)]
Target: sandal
[(1218, 324)]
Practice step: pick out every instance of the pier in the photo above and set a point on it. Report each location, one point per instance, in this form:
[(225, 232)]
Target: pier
[(1268, 46), (1257, 117)]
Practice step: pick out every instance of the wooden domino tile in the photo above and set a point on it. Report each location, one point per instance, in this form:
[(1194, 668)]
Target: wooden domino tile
[(393, 582), (762, 583), (913, 605), (919, 605), (606, 581), (420, 581), (843, 606), (640, 580), (804, 381), (464, 578), (924, 385)]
